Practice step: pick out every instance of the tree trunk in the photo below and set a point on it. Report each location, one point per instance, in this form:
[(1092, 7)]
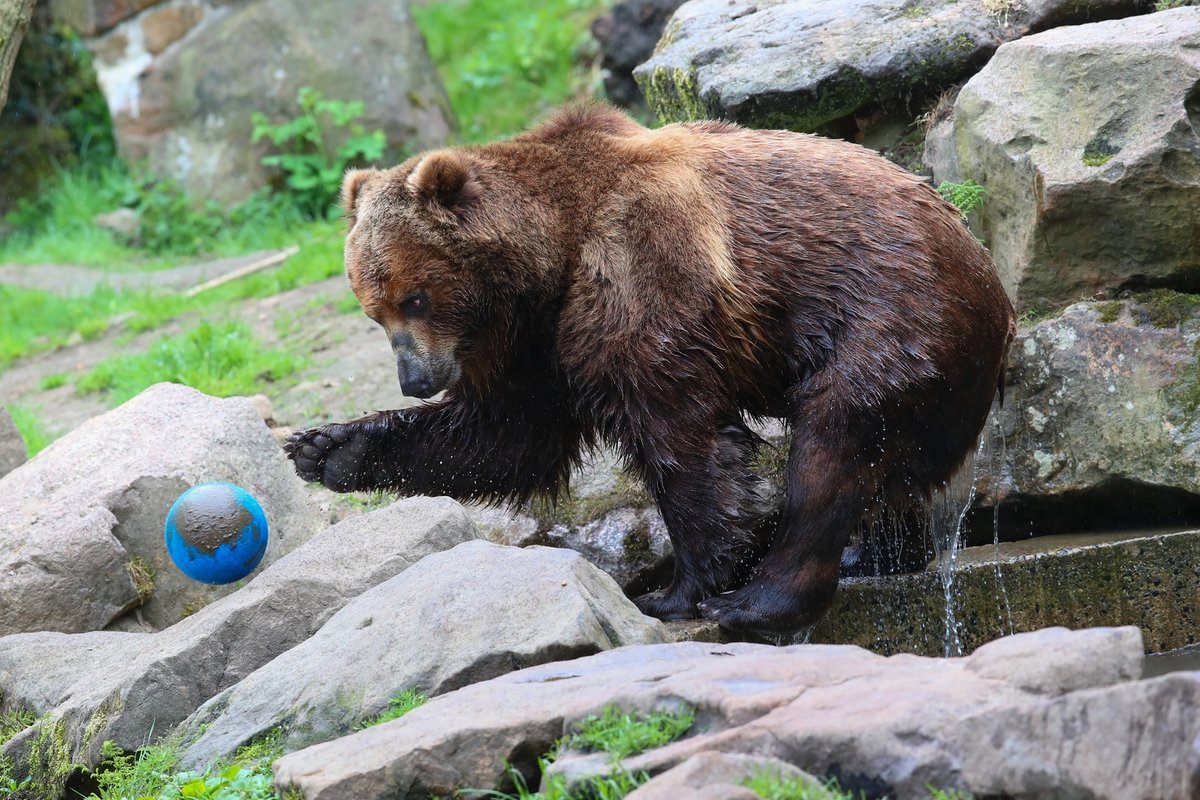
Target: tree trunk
[(14, 21)]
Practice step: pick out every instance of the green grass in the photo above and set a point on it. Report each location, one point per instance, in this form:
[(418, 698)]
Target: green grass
[(221, 359), (35, 432), (398, 706), (613, 786), (523, 61), (33, 321), (622, 733)]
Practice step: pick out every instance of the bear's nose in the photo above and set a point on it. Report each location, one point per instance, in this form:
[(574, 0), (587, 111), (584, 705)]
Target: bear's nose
[(415, 380)]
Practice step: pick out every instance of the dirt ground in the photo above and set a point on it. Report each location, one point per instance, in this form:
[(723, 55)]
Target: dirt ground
[(350, 368)]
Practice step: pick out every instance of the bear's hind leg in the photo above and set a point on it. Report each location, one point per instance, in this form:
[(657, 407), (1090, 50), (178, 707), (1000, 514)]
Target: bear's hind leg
[(830, 485), (713, 507)]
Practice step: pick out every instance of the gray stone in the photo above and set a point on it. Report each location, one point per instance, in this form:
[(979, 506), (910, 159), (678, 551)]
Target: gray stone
[(130, 688), (187, 111), (1087, 140), (81, 539), (1100, 399), (456, 618), (13, 451), (720, 776), (1057, 660), (798, 64), (894, 725)]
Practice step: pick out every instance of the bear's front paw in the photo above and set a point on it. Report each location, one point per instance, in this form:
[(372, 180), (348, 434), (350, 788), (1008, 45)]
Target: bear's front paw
[(333, 455)]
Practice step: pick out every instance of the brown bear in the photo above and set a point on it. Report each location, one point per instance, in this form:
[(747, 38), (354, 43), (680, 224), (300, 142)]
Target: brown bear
[(593, 280)]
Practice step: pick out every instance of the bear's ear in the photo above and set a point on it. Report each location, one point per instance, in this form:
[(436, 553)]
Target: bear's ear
[(352, 185), (447, 182)]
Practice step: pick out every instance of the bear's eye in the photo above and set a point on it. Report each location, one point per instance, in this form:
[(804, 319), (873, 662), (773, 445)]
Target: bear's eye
[(416, 304)]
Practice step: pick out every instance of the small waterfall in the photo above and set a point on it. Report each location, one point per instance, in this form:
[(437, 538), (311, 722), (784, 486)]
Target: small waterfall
[(947, 512)]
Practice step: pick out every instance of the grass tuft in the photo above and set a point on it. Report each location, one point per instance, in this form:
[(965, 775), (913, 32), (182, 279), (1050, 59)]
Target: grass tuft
[(622, 733), (398, 706), (220, 359)]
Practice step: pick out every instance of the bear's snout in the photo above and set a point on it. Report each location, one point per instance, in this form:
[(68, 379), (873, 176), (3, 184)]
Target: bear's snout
[(416, 379)]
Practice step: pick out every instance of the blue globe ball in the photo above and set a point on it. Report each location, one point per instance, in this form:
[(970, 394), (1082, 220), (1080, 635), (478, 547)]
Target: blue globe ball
[(216, 533)]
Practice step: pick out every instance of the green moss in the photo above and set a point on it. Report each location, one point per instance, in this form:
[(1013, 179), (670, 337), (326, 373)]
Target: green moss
[(398, 706), (1101, 147), (635, 545), (674, 94), (50, 762), (771, 785), (1096, 159), (1109, 311), (1165, 308)]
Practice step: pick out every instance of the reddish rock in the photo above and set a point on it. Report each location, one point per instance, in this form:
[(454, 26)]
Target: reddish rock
[(165, 26)]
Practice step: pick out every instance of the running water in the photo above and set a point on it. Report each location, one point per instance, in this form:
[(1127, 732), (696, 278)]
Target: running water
[(947, 516)]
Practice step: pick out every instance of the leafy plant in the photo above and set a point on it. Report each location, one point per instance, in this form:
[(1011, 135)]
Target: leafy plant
[(398, 706), (149, 774), (14, 721), (966, 196), (221, 359), (623, 733), (311, 166)]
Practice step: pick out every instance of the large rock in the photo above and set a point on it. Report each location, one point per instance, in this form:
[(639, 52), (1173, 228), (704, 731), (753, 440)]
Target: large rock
[(81, 525), (890, 726), (798, 64), (1100, 423), (130, 688), (12, 444), (457, 618), (1087, 140), (187, 109)]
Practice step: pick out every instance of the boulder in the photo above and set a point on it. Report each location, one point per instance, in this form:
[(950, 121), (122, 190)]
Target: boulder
[(627, 34), (81, 525), (888, 726), (1100, 425), (185, 104), (12, 444), (456, 618), (1087, 140), (131, 688), (799, 64)]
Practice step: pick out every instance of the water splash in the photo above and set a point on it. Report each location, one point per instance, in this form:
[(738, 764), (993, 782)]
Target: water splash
[(947, 513)]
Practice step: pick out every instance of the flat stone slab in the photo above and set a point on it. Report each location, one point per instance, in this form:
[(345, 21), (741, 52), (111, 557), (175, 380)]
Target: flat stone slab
[(888, 726)]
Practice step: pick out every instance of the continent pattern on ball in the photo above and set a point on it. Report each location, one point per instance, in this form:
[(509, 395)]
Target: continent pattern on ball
[(216, 533)]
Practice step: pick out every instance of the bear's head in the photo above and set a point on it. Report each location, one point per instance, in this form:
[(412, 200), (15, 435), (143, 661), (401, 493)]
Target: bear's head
[(444, 252)]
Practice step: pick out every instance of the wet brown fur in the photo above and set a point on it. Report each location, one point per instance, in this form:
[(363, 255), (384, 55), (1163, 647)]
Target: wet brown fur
[(597, 280)]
